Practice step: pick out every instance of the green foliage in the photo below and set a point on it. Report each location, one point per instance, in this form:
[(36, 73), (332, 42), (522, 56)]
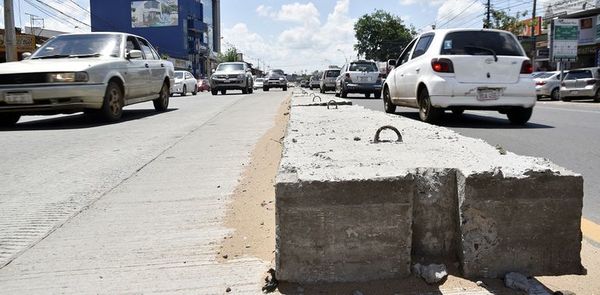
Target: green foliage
[(381, 35), (501, 20), (230, 55)]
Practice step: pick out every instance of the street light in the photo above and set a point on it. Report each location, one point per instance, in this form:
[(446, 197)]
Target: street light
[(344, 54)]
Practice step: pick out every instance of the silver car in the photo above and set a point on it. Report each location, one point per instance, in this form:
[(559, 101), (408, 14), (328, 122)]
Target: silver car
[(98, 73), (258, 83), (231, 76), (581, 84), (547, 84), (328, 79), (359, 76), (184, 83)]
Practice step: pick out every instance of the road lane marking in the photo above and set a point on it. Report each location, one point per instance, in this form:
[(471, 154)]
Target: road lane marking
[(590, 230)]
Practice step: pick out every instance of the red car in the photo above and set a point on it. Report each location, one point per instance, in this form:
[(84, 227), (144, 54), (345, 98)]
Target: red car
[(203, 85)]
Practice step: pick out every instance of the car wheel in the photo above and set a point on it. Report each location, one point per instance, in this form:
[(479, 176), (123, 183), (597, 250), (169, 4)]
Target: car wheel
[(388, 106), (427, 112), (265, 88), (343, 93), (554, 95), (597, 96), (112, 106), (250, 90), (284, 88), (9, 120), (311, 88), (161, 104), (223, 92), (378, 94), (367, 95), (519, 116), (214, 92), (184, 91), (195, 90), (245, 90)]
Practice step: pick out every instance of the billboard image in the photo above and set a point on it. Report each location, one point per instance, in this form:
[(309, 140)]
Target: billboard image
[(154, 13)]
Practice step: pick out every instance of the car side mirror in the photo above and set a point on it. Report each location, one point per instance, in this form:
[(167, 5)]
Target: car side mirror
[(134, 54), (26, 55), (392, 62)]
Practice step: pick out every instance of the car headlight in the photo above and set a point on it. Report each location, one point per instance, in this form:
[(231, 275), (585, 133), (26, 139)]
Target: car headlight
[(68, 77), (281, 79), (241, 76)]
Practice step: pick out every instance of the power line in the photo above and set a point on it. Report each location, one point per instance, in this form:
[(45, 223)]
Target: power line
[(66, 15), (463, 11), (48, 13)]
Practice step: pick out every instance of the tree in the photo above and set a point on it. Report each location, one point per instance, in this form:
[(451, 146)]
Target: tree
[(230, 55), (381, 35), (501, 20)]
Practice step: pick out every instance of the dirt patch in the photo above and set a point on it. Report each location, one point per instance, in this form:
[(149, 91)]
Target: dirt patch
[(252, 210)]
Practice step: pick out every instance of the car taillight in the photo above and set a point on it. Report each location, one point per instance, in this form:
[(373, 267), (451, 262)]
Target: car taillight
[(540, 83), (442, 65), (591, 82), (348, 79), (526, 67)]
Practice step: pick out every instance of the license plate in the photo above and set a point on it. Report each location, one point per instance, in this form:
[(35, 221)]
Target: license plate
[(488, 94), (573, 91), (18, 98), (363, 79)]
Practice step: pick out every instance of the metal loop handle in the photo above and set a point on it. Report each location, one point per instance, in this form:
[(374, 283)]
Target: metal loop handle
[(316, 96), (388, 127), (313, 94), (332, 102)]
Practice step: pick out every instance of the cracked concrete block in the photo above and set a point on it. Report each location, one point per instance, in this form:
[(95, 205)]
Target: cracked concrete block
[(435, 217), (343, 231), (529, 224)]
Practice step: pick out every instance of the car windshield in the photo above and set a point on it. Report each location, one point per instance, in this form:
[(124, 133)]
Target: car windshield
[(259, 79), (545, 75), (578, 74), (330, 74), (481, 43), (278, 72), (363, 67), (230, 67), (92, 45), (178, 75)]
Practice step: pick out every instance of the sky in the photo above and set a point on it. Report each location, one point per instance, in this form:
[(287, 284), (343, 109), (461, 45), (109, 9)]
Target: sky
[(296, 36)]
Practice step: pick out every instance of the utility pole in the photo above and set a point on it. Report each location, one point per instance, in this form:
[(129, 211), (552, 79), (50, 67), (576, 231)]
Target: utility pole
[(534, 24), (487, 22), (10, 36)]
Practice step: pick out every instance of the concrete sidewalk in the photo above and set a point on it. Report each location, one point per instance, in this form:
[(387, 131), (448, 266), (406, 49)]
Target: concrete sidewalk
[(158, 231)]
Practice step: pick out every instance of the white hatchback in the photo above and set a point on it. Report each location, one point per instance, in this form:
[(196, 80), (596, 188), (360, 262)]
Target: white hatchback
[(462, 69)]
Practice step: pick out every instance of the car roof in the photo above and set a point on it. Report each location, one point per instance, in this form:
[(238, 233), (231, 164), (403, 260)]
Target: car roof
[(232, 63), (102, 33), (446, 31)]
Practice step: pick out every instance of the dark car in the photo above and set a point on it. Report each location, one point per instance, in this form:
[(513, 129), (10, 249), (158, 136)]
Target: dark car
[(275, 79)]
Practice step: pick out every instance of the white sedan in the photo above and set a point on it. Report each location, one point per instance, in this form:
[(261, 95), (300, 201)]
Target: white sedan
[(98, 73), (462, 69), (184, 83)]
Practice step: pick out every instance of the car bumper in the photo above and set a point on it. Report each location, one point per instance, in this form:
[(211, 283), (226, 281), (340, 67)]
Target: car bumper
[(275, 84), (447, 93), (328, 85), (577, 92), (227, 84), (542, 91), (49, 99), (363, 88), (177, 88)]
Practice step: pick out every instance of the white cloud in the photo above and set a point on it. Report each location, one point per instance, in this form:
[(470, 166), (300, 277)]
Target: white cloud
[(309, 44), (2, 16), (455, 13), (407, 2), (264, 10)]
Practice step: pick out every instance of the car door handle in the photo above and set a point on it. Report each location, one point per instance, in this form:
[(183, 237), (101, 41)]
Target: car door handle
[(147, 65), (162, 65), (417, 69)]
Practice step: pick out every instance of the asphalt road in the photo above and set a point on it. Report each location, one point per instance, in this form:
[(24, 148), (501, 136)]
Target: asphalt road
[(566, 133)]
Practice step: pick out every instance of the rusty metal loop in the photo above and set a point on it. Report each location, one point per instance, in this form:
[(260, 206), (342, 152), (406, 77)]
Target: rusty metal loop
[(387, 127), (316, 96), (332, 102)]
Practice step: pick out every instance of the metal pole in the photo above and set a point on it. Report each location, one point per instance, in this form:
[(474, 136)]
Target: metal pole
[(487, 24), (10, 36), (533, 26)]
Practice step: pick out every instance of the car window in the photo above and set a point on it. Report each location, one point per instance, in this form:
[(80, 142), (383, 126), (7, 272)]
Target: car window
[(481, 43), (363, 67), (406, 53), (332, 74), (81, 45), (146, 49), (179, 75), (230, 67), (544, 75), (422, 45), (578, 74)]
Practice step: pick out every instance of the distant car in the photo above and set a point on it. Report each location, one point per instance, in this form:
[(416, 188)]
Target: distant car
[(275, 79), (360, 76), (581, 84), (231, 76), (304, 83), (98, 73), (184, 83), (258, 83), (314, 82), (203, 85), (291, 84), (328, 80), (547, 84), (462, 69)]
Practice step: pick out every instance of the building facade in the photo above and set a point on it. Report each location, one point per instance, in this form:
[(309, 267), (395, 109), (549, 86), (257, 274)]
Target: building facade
[(186, 32)]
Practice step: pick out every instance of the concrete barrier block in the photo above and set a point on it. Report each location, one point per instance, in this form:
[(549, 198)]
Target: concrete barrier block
[(529, 224), (343, 231)]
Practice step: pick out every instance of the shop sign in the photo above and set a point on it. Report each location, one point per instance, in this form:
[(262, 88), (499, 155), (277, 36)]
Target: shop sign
[(565, 7), (24, 43), (564, 39), (180, 63)]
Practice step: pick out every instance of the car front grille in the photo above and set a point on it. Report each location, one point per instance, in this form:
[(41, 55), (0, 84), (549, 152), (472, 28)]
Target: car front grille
[(27, 78)]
